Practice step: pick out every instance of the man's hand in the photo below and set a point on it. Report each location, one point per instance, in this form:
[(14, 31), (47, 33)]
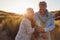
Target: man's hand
[(44, 36)]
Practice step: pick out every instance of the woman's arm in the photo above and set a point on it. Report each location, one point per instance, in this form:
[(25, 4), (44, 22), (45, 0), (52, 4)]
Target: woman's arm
[(25, 28)]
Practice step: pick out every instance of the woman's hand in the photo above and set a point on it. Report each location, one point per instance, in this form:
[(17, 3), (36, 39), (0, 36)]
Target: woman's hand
[(40, 29)]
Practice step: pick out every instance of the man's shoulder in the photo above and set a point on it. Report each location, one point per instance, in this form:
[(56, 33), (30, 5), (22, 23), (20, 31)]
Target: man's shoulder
[(36, 16), (36, 13), (50, 14)]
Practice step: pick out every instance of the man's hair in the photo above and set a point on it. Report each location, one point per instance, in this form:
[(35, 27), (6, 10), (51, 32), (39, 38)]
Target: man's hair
[(42, 2)]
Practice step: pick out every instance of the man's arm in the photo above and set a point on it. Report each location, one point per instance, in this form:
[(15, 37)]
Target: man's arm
[(50, 25)]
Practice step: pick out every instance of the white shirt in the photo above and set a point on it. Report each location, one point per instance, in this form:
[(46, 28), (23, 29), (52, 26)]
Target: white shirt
[(25, 30)]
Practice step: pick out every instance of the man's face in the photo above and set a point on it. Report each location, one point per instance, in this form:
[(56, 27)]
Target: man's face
[(42, 6)]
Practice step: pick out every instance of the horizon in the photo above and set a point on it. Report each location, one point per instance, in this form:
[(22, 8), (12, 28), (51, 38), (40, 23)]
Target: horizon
[(20, 6)]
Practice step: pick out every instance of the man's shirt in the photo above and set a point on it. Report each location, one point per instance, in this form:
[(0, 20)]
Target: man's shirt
[(49, 25)]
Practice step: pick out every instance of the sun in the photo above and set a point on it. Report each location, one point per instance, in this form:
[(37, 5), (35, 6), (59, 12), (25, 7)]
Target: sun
[(22, 11)]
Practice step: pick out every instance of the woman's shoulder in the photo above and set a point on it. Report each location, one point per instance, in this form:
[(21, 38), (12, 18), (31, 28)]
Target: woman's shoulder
[(25, 20)]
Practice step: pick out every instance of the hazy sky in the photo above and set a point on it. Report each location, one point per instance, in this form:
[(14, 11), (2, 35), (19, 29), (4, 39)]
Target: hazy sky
[(19, 6)]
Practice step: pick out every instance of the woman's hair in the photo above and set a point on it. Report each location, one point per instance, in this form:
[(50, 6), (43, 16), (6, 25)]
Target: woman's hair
[(29, 11), (31, 19)]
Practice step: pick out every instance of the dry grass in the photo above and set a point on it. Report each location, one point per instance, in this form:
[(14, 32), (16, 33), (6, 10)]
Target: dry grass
[(12, 22)]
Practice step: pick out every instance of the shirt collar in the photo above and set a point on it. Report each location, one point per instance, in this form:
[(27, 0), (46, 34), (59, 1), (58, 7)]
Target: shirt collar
[(42, 14)]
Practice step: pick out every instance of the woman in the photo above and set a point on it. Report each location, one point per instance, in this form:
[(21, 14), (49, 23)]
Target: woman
[(26, 28)]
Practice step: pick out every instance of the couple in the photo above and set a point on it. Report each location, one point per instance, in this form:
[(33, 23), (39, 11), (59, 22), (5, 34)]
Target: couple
[(36, 26)]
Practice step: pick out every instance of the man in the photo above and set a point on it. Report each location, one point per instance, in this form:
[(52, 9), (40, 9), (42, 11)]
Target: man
[(45, 22)]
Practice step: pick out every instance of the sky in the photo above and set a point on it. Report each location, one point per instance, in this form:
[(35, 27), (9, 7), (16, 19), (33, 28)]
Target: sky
[(20, 6)]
